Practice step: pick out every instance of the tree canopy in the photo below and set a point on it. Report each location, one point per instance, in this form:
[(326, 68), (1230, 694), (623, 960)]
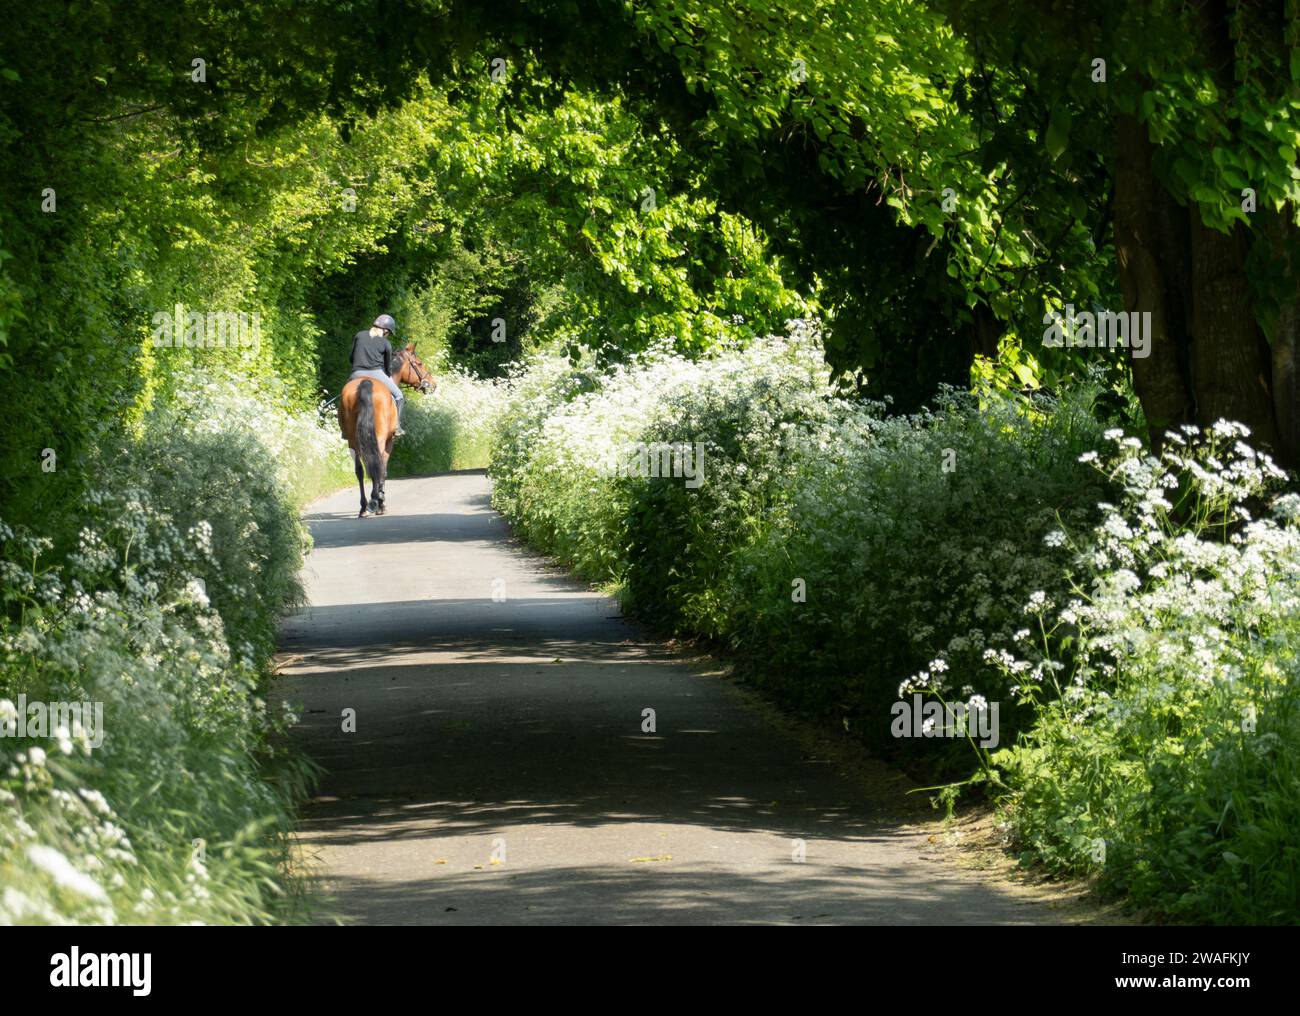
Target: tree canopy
[(935, 180)]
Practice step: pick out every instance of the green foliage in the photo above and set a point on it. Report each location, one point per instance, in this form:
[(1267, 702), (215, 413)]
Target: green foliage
[(162, 611), (841, 114), (1147, 726), (554, 221), (1219, 99), (141, 235)]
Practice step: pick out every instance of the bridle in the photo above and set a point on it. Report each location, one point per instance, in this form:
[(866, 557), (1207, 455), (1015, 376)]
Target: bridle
[(421, 375)]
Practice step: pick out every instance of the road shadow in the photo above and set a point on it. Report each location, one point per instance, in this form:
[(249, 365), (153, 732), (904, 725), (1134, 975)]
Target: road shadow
[(657, 893), (568, 625), (343, 529)]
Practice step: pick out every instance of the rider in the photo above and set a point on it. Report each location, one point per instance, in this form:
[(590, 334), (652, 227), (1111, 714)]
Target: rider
[(372, 357)]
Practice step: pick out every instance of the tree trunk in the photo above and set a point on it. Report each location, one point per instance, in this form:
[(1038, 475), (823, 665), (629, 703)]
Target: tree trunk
[(1286, 386), (1160, 379), (982, 334), (1231, 365), (1174, 252), (1280, 245)]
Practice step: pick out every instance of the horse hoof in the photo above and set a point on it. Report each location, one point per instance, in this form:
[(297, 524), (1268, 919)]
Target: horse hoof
[(361, 514)]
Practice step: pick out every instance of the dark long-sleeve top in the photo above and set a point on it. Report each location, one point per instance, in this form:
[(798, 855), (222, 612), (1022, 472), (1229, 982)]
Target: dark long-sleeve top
[(372, 352)]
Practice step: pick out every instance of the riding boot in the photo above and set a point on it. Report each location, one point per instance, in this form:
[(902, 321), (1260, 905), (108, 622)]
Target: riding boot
[(401, 408)]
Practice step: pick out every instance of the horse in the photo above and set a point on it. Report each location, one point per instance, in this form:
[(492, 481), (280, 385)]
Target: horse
[(368, 419)]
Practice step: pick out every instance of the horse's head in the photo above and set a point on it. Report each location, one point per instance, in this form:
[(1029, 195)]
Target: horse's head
[(413, 373)]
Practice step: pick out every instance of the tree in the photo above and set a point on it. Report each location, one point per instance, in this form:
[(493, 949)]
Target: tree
[(1200, 136)]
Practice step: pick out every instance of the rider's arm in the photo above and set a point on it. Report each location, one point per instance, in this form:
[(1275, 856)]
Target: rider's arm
[(388, 358), (352, 356)]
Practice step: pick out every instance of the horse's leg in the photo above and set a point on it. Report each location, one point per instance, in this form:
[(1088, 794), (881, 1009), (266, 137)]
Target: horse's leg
[(377, 480), (361, 480), (383, 477), (370, 399), (385, 453)]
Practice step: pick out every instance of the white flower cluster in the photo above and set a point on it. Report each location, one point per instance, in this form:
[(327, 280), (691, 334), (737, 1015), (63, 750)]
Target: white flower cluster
[(1198, 592)]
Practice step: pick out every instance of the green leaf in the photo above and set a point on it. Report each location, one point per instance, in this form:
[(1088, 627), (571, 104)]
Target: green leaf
[(1058, 131)]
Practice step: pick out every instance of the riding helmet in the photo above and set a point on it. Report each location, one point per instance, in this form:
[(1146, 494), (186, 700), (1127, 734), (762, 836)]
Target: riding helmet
[(385, 321)]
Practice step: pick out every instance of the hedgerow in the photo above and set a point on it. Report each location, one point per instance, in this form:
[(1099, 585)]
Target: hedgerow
[(174, 808), (1165, 760)]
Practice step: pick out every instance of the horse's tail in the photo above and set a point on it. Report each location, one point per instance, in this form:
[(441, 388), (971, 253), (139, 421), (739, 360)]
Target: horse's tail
[(367, 438)]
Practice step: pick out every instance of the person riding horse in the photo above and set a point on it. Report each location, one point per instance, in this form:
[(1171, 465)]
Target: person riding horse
[(368, 420), (372, 357)]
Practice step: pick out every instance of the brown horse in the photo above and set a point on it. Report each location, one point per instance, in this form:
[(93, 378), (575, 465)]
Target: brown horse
[(368, 419)]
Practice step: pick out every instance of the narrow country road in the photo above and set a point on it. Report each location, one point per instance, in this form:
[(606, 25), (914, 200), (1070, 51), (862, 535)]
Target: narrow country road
[(499, 774)]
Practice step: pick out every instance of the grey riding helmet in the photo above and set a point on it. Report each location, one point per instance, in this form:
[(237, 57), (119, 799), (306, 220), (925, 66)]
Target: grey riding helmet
[(385, 321)]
